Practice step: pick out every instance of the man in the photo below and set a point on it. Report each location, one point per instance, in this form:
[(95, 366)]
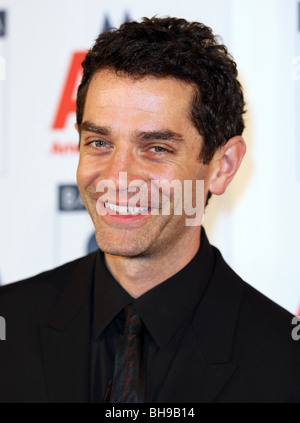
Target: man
[(155, 315)]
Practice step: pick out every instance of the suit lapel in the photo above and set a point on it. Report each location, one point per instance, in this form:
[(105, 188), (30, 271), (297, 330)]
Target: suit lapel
[(66, 360), (186, 376), (65, 340), (198, 364)]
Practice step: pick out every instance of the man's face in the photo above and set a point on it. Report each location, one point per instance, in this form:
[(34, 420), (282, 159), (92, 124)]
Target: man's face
[(137, 130)]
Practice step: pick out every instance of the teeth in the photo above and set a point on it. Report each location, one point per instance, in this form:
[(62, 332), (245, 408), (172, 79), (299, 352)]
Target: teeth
[(123, 210)]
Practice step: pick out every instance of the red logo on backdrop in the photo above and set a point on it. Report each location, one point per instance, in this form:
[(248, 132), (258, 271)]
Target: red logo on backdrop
[(67, 103)]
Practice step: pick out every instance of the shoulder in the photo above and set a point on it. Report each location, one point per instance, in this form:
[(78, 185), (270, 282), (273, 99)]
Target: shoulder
[(263, 329), (257, 326), (247, 328), (40, 291), (232, 308), (252, 302)]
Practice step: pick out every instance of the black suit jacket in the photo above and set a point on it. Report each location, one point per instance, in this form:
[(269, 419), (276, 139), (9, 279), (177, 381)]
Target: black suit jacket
[(238, 346)]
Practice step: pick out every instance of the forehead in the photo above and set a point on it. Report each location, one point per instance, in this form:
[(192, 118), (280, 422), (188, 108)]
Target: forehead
[(149, 94)]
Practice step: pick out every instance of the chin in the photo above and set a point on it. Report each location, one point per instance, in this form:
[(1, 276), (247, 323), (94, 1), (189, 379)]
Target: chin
[(130, 250)]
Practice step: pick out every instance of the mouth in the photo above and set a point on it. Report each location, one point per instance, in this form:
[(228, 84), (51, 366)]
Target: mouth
[(126, 210)]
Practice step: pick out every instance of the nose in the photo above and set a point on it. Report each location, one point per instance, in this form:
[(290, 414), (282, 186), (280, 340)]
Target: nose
[(123, 167)]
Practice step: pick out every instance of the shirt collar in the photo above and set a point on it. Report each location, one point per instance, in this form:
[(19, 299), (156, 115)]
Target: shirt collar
[(164, 308), (109, 297)]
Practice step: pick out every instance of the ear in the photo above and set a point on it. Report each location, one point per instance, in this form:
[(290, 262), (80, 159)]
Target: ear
[(225, 164)]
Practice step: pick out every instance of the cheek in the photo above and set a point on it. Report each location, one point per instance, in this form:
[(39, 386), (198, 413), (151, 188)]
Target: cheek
[(86, 173)]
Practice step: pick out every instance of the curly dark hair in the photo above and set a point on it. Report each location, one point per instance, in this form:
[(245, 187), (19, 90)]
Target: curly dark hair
[(188, 51)]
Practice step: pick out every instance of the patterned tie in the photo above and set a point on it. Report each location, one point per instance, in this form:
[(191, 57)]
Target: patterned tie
[(128, 382)]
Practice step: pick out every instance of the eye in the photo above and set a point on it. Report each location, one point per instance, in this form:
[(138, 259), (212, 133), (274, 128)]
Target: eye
[(100, 144), (158, 149)]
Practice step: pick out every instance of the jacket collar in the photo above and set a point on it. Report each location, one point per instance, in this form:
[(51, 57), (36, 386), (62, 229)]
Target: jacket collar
[(207, 354), (77, 288), (65, 339)]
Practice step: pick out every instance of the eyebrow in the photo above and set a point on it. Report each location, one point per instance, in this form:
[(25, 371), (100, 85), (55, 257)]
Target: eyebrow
[(95, 129), (163, 135), (166, 135)]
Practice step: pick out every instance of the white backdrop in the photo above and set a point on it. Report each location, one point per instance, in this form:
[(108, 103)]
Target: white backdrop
[(42, 220)]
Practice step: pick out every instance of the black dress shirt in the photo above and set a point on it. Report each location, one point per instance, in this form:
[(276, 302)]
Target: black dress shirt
[(165, 311)]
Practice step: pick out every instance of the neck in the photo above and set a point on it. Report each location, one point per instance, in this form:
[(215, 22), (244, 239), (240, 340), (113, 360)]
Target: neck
[(139, 275)]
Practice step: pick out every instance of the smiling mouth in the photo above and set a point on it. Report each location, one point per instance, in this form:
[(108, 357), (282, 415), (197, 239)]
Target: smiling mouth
[(126, 210)]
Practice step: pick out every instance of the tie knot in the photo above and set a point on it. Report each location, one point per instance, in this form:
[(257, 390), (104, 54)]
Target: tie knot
[(133, 323)]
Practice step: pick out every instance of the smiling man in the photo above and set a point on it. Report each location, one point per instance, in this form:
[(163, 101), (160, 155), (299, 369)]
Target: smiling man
[(155, 315), (142, 129)]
